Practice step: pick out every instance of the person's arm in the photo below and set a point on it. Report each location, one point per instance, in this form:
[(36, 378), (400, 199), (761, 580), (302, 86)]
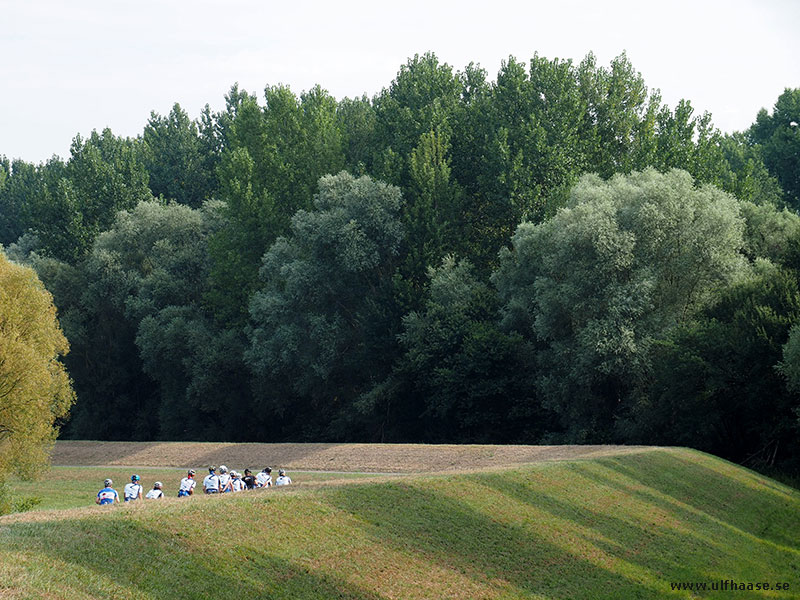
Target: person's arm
[(97, 500)]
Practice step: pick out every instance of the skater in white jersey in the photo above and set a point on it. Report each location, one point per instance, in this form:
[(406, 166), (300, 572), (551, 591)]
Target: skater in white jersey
[(133, 490), (211, 482), (187, 484), (237, 485), (156, 492), (283, 478), (264, 478), (224, 479)]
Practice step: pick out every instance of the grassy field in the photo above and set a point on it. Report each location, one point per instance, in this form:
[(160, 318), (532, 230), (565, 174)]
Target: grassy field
[(626, 526), (74, 487)]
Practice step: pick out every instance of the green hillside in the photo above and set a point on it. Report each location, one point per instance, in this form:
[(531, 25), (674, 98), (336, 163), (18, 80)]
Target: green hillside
[(623, 527)]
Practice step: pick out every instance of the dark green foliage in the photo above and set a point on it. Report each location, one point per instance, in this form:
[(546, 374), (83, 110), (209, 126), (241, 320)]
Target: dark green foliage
[(420, 99), (322, 325), (174, 155), (148, 271), (778, 135), (519, 144), (526, 131), (745, 175), (368, 312), (269, 169), (715, 384), (789, 368), (250, 225), (465, 379), (771, 233), (25, 196), (114, 400), (19, 182), (356, 120), (105, 176), (66, 206), (203, 381), (430, 212)]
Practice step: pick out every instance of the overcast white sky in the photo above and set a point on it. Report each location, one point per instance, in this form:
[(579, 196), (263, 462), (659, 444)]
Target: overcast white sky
[(70, 67)]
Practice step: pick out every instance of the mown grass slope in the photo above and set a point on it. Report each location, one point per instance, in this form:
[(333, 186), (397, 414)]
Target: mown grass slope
[(615, 527)]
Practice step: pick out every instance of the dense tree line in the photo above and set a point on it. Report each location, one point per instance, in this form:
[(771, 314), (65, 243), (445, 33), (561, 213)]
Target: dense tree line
[(552, 255)]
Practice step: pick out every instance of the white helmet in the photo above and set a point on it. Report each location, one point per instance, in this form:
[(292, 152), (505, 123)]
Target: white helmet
[(107, 483), (157, 485), (223, 469), (281, 473)]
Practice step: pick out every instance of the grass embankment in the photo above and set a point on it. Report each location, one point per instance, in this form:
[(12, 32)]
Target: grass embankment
[(615, 527)]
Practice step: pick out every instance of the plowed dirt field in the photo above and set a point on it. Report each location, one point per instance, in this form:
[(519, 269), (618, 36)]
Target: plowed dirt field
[(370, 458)]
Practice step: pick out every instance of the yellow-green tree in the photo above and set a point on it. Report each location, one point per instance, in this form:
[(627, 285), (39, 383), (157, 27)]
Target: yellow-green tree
[(35, 390)]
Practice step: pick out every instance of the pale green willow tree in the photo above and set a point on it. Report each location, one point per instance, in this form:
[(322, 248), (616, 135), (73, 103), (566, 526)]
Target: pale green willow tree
[(628, 259)]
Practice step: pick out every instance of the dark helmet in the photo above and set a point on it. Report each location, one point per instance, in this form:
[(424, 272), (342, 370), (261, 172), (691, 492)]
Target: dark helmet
[(267, 470), (212, 469), (247, 471)]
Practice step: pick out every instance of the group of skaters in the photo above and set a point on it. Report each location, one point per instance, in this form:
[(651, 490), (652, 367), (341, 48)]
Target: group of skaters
[(218, 481)]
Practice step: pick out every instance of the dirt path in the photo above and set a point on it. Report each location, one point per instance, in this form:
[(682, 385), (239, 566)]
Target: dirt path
[(371, 458)]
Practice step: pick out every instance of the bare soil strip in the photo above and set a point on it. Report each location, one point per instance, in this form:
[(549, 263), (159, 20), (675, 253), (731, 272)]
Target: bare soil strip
[(368, 458)]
